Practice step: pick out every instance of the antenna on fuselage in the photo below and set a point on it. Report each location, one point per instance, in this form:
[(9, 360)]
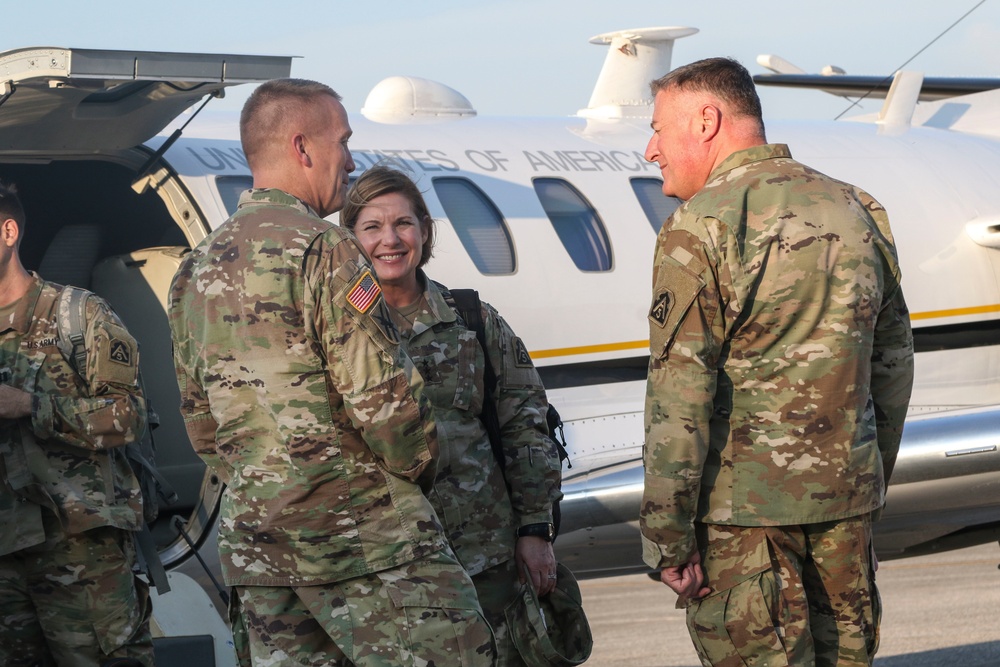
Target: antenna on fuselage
[(635, 57)]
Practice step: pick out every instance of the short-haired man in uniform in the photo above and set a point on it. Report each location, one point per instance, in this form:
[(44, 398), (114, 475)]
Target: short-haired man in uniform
[(294, 388), (69, 499), (780, 373)]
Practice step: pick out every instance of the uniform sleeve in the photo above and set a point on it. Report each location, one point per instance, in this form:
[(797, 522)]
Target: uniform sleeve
[(533, 470), (892, 348), (686, 337), (199, 423), (112, 412), (892, 375), (381, 389)]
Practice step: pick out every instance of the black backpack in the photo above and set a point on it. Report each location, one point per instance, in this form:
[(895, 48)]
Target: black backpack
[(71, 329), (466, 302)]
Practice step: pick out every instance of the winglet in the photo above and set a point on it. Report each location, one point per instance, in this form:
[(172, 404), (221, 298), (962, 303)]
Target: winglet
[(635, 57), (778, 65)]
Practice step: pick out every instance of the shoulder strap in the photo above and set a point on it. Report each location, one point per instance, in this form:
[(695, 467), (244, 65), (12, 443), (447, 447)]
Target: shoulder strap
[(71, 330), (71, 326), (466, 302)]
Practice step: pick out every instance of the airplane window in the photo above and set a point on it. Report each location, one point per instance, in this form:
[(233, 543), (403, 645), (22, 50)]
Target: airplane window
[(577, 224), (230, 188), (478, 223), (656, 205)]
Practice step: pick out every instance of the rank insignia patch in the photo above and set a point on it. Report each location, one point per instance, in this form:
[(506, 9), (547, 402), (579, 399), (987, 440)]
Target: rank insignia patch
[(521, 357), (661, 308), (120, 352), (385, 323), (364, 293)]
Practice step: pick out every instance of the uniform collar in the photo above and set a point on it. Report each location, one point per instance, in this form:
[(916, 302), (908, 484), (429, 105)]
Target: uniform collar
[(273, 197), (748, 155), (24, 308), (434, 293)]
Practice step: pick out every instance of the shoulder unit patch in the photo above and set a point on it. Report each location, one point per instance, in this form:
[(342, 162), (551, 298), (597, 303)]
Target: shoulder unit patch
[(521, 357), (120, 352), (661, 308)]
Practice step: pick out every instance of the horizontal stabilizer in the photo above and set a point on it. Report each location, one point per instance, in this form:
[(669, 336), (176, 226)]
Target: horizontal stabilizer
[(877, 87)]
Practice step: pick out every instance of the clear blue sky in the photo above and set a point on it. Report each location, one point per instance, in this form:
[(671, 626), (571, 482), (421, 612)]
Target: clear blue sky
[(525, 57)]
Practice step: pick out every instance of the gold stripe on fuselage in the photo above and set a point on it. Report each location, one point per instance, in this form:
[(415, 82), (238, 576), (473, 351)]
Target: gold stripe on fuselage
[(639, 344), (955, 312)]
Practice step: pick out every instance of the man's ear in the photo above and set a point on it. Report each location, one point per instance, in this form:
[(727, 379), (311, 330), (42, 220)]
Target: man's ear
[(9, 232), (299, 149), (711, 120)]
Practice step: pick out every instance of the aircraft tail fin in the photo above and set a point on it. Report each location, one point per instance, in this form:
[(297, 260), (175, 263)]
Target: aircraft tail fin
[(635, 57)]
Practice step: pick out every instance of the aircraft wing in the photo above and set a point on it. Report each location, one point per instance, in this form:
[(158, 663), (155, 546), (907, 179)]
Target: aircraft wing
[(876, 87), (88, 100)]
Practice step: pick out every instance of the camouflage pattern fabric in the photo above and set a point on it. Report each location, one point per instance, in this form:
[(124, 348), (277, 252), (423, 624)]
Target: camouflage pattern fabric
[(294, 389), (469, 494), (496, 588), (69, 497), (781, 355), (423, 613), (775, 597), (65, 458), (73, 601)]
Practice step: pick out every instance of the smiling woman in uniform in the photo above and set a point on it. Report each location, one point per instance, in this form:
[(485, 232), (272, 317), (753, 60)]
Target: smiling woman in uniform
[(499, 522)]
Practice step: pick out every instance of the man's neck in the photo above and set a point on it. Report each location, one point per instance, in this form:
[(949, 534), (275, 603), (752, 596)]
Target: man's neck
[(15, 282), (733, 143)]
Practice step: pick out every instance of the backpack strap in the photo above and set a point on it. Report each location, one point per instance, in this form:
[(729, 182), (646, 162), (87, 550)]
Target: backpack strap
[(467, 304), (71, 326)]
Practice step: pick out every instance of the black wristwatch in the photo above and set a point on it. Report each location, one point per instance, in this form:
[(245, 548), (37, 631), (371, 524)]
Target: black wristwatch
[(546, 531)]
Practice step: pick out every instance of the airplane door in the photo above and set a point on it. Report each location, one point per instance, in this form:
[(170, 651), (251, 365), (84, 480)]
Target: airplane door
[(82, 101)]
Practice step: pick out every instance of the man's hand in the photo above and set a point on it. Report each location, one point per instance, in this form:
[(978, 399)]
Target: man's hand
[(14, 403), (687, 580), (537, 555)]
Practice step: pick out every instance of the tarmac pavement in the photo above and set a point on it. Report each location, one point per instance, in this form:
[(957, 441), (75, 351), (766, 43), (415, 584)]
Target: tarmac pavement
[(939, 610)]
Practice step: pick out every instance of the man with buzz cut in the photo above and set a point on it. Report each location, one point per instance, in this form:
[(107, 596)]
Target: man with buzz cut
[(781, 364), (294, 389)]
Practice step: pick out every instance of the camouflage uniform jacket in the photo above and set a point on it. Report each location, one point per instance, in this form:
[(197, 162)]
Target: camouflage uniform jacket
[(781, 355), (294, 388), (469, 493), (64, 458)]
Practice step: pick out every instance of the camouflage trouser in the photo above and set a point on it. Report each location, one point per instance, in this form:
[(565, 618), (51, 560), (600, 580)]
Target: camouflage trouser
[(496, 587), (422, 613), (74, 602), (787, 595)]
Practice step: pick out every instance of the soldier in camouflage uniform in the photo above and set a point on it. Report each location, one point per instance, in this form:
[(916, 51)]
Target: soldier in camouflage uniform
[(69, 499), (295, 390), (495, 532), (780, 372)]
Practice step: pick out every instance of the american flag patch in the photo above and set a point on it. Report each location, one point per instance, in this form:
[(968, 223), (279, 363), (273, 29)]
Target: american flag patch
[(364, 292)]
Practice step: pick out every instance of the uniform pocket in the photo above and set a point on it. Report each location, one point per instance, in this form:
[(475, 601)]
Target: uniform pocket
[(116, 628), (127, 597), (440, 619), (739, 621), (430, 585)]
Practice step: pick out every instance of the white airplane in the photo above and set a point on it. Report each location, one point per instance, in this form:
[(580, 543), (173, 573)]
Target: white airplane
[(553, 221)]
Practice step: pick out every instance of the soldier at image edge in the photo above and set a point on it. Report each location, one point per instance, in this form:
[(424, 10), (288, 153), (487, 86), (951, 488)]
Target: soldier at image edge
[(70, 502), (781, 365)]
